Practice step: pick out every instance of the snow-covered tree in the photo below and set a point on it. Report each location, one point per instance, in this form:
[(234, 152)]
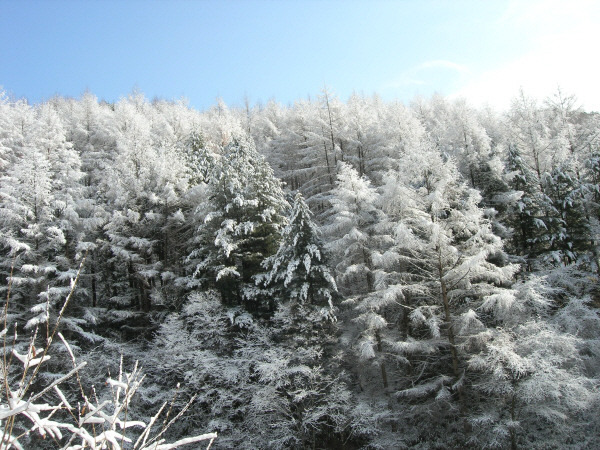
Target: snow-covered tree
[(524, 213), (423, 210), (356, 240), (354, 216), (252, 390), (298, 274), (533, 375), (454, 129), (569, 225), (528, 130), (41, 193), (244, 215), (144, 188), (455, 265)]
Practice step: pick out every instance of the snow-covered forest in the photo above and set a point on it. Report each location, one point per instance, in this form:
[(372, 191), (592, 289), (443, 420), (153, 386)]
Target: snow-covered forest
[(328, 274)]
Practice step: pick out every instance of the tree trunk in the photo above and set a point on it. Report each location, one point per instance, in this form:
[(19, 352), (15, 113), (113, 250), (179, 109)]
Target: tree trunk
[(513, 416), (448, 320), (327, 162), (451, 337), (94, 291), (382, 363)]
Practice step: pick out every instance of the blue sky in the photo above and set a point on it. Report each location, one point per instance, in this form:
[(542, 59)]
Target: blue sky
[(286, 50)]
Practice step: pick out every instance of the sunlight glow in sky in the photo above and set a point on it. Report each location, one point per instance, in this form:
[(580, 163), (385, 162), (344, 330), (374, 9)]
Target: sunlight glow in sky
[(287, 50)]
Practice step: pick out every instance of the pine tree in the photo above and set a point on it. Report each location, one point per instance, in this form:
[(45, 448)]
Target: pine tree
[(298, 273), (531, 372), (570, 240), (248, 381), (528, 130), (355, 241), (524, 213), (245, 213), (144, 189), (301, 154), (200, 160), (40, 195), (351, 230), (298, 283)]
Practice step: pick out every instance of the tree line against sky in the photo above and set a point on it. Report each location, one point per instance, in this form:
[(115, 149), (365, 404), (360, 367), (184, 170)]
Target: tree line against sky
[(324, 274)]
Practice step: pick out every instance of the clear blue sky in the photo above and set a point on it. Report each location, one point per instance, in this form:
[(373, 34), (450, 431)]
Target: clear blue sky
[(483, 50)]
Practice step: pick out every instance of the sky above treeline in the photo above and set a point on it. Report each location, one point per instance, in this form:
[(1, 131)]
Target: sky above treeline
[(201, 50)]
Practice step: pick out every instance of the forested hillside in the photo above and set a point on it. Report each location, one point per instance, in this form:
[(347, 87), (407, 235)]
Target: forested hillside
[(328, 274)]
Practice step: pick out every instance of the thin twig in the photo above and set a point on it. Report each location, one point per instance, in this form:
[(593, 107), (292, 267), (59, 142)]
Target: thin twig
[(58, 319)]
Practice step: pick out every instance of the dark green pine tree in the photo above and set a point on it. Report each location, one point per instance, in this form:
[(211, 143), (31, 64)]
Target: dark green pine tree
[(297, 275), (570, 238), (523, 215), (592, 176), (244, 215)]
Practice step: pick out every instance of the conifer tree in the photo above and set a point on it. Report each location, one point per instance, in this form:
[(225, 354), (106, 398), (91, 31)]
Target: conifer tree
[(39, 200), (524, 214), (570, 239), (531, 373), (297, 277), (351, 230), (266, 384), (200, 160), (245, 212), (355, 241), (457, 266)]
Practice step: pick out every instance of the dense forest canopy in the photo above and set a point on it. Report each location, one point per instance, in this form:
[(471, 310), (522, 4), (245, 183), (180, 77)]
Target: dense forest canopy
[(328, 274)]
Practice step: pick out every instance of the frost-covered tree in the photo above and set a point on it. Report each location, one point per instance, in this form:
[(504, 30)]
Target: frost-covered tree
[(549, 143), (422, 209), (351, 231), (300, 153), (144, 188), (454, 129), (528, 130), (374, 134), (569, 225), (35, 406), (252, 390), (524, 213), (200, 160), (39, 206), (245, 212), (533, 375), (455, 264), (6, 135), (298, 274), (355, 240)]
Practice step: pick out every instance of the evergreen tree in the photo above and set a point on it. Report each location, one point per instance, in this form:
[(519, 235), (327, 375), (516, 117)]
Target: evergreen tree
[(528, 130), (356, 241), (570, 241), (144, 189), (351, 230), (524, 213), (298, 272), (40, 195), (244, 215), (200, 160), (301, 154), (442, 347), (248, 382), (531, 373)]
